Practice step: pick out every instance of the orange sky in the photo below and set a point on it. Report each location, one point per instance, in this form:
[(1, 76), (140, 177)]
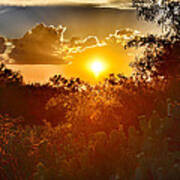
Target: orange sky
[(81, 24), (116, 59), (41, 2)]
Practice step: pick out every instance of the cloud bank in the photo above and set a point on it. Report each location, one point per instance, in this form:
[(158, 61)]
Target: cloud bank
[(38, 46), (47, 45)]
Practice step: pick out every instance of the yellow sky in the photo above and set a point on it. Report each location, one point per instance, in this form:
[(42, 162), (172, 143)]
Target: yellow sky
[(53, 2), (114, 59), (44, 2)]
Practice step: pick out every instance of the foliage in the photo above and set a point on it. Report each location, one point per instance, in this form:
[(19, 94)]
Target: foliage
[(7, 76), (161, 54), (122, 128), (46, 152)]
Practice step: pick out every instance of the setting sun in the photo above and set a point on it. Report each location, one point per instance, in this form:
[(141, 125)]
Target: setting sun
[(97, 67), (94, 65)]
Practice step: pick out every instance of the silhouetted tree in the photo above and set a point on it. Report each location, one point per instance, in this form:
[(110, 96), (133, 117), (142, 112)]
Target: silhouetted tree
[(9, 77), (161, 55)]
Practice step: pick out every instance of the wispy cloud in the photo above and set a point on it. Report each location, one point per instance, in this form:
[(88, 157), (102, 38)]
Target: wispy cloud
[(50, 2), (118, 4), (4, 10)]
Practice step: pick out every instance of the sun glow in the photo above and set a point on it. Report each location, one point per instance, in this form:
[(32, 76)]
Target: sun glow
[(97, 67), (94, 65)]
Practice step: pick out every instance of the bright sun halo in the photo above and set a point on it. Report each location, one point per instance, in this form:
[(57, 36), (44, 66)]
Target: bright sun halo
[(97, 67)]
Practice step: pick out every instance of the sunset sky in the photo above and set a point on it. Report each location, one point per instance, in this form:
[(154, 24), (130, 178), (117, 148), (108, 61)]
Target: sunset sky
[(47, 2), (86, 35)]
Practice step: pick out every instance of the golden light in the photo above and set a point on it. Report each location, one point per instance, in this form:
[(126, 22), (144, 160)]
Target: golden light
[(95, 64), (97, 67)]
